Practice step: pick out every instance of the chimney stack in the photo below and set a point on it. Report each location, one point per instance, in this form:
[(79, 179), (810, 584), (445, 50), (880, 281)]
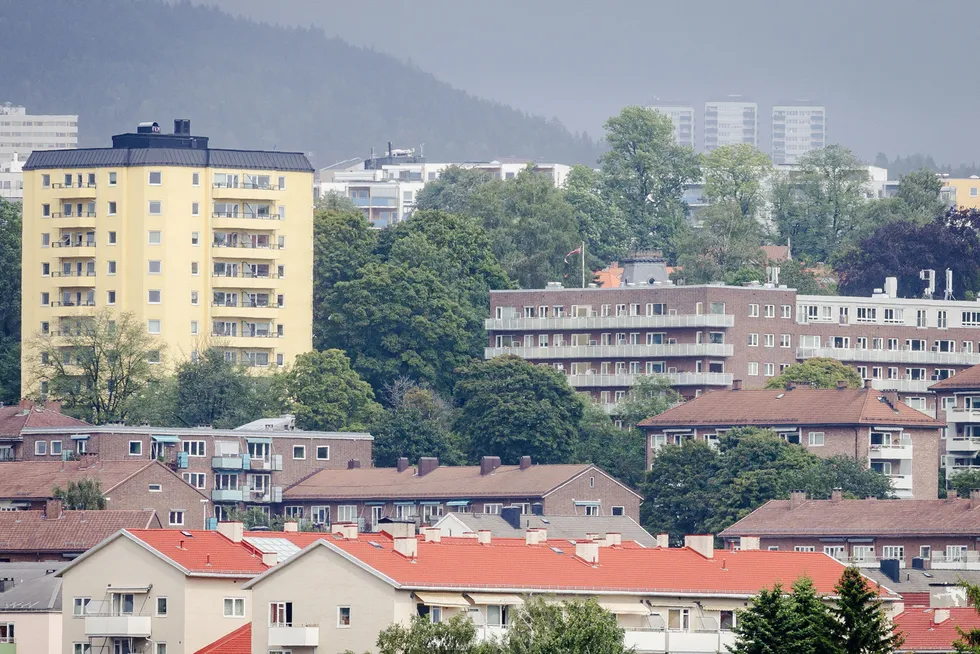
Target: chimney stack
[(270, 558), (796, 499), (525, 462), (52, 509), (535, 536), (746, 543), (841, 384), (483, 536), (703, 544), (663, 540), (613, 538), (736, 384), (432, 534), (427, 464), (353, 464), (974, 498), (350, 531), (402, 463), (233, 531), (488, 464), (512, 514), (407, 546), (836, 495), (952, 495), (588, 551), (398, 529), (290, 527)]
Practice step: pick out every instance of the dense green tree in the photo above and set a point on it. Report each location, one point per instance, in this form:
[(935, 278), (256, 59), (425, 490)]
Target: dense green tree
[(964, 482), (767, 626), (736, 174), (213, 391), (795, 274), (253, 517), (81, 495), (919, 191), (417, 423), (453, 192), (818, 372), (620, 452), (650, 396), (680, 490), (336, 202), (812, 630), (343, 243), (10, 284), (326, 394), (97, 367), (509, 407), (644, 173), (724, 246), (861, 626), (454, 636), (542, 627), (601, 224), (969, 641)]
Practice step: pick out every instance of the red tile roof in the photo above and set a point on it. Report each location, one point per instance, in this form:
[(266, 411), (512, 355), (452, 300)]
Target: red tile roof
[(922, 634), (202, 552), (443, 482), (610, 276), (859, 518), (776, 253), (800, 406), (237, 642), (13, 419), (968, 379), (74, 531), (37, 479), (464, 563)]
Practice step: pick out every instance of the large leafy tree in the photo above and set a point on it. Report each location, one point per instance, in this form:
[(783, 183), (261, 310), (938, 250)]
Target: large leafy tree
[(417, 423), (919, 192), (81, 495), (812, 628), (620, 452), (767, 626), (509, 407), (650, 396), (861, 625), (97, 367), (724, 246), (644, 173), (326, 394), (10, 285), (546, 627), (213, 391), (454, 636), (818, 372), (601, 224), (736, 174)]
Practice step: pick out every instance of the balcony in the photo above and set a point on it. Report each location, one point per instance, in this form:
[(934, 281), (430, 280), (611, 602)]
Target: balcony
[(890, 356), (273, 463), (969, 560), (73, 192), (962, 415), (959, 444), (245, 192), (8, 646), (271, 494), (74, 248), (230, 462), (891, 452), (901, 484), (244, 310), (263, 341), (244, 220), (290, 636), (609, 322), (614, 351), (117, 626), (245, 250), (244, 279), (695, 642), (902, 385), (626, 380), (84, 219), (230, 494)]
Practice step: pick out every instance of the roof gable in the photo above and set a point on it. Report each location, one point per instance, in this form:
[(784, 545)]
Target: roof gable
[(966, 380), (238, 641)]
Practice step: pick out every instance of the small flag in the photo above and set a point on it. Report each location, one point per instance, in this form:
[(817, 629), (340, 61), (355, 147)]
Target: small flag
[(577, 250)]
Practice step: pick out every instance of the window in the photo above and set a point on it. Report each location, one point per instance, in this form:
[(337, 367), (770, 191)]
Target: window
[(155, 208), (347, 513), (135, 448), (234, 607), (153, 356), (726, 620), (679, 619), (753, 311), (153, 326), (161, 606), (112, 179), (195, 298), (786, 311), (194, 448), (281, 270), (55, 448), (111, 267), (176, 518), (785, 340), (893, 552), (195, 208), (816, 438), (591, 482), (299, 452), (618, 510), (154, 267), (753, 340), (195, 268), (836, 551), (161, 648), (867, 314), (322, 452), (122, 603), (45, 181), (497, 615), (770, 340), (46, 210), (153, 237), (804, 548), (78, 606), (770, 311), (45, 240), (592, 509), (153, 296), (753, 368), (156, 178), (198, 480), (343, 617), (769, 370), (493, 509), (45, 299)]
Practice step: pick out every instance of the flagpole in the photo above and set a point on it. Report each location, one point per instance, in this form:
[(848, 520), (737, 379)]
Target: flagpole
[(583, 264)]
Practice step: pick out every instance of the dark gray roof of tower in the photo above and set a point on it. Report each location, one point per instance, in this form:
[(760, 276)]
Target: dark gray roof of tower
[(215, 158)]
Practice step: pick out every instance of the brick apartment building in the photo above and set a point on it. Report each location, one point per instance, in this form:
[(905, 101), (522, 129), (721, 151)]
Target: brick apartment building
[(944, 534), (424, 493), (704, 337), (958, 405), (126, 485), (868, 425), (14, 419), (234, 468)]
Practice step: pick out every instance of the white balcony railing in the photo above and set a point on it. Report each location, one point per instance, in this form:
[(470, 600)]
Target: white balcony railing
[(902, 385), (971, 445), (613, 351), (610, 322), (293, 636), (969, 560), (890, 356), (108, 626), (626, 380), (891, 452), (963, 415)]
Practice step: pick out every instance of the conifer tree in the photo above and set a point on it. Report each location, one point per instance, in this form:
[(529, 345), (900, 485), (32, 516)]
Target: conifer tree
[(861, 626), (766, 626), (813, 624)]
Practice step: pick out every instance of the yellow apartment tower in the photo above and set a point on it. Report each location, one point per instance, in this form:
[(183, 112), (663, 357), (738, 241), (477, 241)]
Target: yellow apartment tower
[(204, 246)]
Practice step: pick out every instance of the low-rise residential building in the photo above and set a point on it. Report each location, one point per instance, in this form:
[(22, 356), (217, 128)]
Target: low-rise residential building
[(126, 485), (958, 404), (667, 600), (12, 179), (870, 426), (423, 493), (55, 534), (941, 534), (512, 523), (30, 608), (15, 419)]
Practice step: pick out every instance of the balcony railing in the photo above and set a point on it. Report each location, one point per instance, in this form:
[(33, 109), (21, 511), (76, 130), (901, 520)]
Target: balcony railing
[(73, 244), (963, 445), (963, 415), (271, 494), (896, 451), (252, 186), (247, 246), (117, 626), (72, 273), (969, 560), (611, 351), (230, 462), (249, 215), (610, 322), (79, 214), (230, 494), (676, 379), (246, 334), (289, 635), (902, 385), (73, 304), (73, 186), (890, 356), (246, 305), (246, 274)]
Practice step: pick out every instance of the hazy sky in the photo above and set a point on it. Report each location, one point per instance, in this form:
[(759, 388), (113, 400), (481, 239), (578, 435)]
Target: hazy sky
[(896, 76)]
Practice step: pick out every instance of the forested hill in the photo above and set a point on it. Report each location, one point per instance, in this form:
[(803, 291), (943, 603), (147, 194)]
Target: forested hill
[(246, 84)]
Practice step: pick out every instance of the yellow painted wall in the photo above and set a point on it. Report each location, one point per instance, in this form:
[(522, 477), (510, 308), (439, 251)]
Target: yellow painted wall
[(967, 191)]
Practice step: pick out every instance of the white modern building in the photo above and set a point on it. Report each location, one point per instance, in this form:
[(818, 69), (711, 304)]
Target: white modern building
[(682, 115), (22, 133), (797, 129), (12, 179), (730, 121)]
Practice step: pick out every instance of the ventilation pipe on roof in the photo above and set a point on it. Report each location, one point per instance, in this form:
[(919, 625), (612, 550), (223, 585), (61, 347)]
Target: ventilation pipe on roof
[(484, 536), (836, 495), (427, 464), (525, 462)]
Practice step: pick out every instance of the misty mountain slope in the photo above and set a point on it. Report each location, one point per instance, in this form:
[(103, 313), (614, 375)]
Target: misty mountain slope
[(244, 84)]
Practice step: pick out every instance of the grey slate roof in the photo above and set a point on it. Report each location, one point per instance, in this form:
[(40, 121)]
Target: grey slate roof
[(922, 581), (36, 588), (120, 157), (570, 526)]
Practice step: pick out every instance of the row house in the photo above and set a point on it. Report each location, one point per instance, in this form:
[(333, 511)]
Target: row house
[(958, 405), (423, 493), (926, 534), (704, 337), (868, 425), (666, 599), (14, 419), (233, 468)]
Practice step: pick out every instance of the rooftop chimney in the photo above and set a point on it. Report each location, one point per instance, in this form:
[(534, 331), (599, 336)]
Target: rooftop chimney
[(747, 543), (398, 529), (483, 536), (974, 498), (290, 527), (353, 464), (536, 536), (841, 384), (613, 538), (402, 463), (836, 495), (432, 534), (588, 551), (270, 558), (488, 464), (951, 495), (663, 540), (512, 514), (940, 616), (525, 462), (703, 544), (427, 464), (736, 384), (796, 499), (52, 509), (233, 531), (407, 546)]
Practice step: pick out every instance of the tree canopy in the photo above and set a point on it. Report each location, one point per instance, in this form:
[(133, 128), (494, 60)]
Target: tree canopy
[(10, 284), (326, 394), (81, 495), (817, 372)]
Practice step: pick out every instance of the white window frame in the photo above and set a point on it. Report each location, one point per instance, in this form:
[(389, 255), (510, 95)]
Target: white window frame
[(322, 458), (149, 177), (237, 607), (156, 606), (139, 448), (340, 617), (302, 456), (176, 517), (816, 439)]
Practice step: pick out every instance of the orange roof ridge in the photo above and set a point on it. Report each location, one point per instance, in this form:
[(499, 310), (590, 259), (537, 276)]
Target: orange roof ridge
[(238, 641)]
